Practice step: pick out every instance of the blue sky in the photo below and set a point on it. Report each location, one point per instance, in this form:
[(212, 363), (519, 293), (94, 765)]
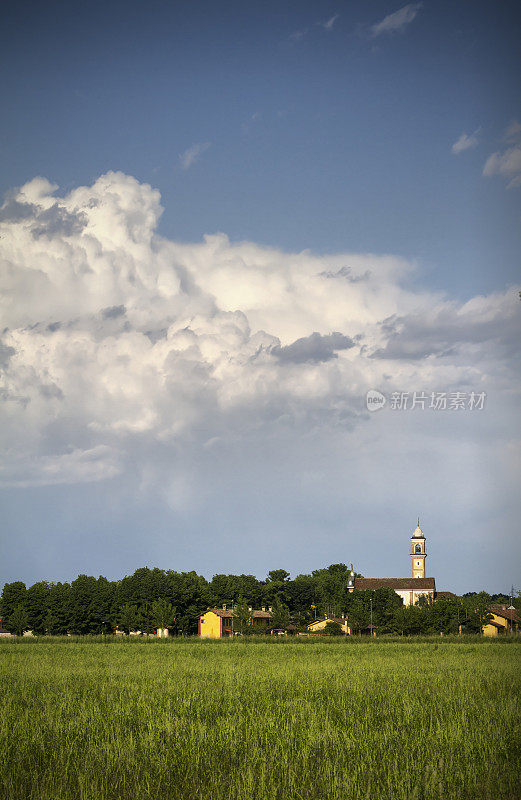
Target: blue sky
[(336, 139), (355, 131)]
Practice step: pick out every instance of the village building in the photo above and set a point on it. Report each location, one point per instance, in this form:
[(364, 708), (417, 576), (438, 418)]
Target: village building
[(409, 589), (217, 623), (505, 619), (318, 625)]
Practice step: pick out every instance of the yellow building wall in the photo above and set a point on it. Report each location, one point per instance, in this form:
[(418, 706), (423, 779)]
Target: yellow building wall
[(321, 624), (491, 630), (210, 626), (406, 596)]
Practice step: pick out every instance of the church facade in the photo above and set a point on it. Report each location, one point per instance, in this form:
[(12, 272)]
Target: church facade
[(409, 589)]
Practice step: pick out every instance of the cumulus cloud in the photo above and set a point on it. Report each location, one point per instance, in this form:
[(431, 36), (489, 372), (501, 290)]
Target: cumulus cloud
[(448, 331), (193, 154), (465, 142), (313, 348), (118, 343), (397, 21)]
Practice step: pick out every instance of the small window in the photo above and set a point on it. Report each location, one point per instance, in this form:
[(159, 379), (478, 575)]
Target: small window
[(418, 549)]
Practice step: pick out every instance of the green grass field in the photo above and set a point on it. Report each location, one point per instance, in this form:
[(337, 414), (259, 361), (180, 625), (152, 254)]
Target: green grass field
[(236, 720)]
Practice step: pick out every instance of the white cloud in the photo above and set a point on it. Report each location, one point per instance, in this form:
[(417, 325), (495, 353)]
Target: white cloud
[(513, 130), (507, 162), (297, 36), (465, 142), (193, 154), (119, 344), (328, 24), (397, 21), (78, 466)]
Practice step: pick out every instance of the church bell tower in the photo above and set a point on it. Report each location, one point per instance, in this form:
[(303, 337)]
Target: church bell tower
[(418, 553)]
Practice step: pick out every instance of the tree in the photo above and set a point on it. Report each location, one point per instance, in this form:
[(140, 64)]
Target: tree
[(477, 611), (333, 628), (128, 618), (278, 576), (280, 616), (358, 611), (13, 595), (228, 589), (50, 623), (146, 622), (446, 614), (58, 603), (18, 620), (36, 604), (277, 586), (242, 621), (163, 614)]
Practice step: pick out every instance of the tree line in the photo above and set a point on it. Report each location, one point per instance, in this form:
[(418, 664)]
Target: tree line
[(153, 598)]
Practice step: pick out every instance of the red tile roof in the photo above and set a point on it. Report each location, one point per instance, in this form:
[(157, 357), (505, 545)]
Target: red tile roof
[(228, 614)]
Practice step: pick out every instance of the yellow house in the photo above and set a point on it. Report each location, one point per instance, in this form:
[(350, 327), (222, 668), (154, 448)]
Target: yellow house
[(319, 624), (504, 620), (216, 623)]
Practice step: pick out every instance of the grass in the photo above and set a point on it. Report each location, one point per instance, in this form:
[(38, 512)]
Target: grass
[(236, 720)]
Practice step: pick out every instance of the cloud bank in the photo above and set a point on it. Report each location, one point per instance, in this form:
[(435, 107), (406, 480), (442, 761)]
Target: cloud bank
[(117, 343)]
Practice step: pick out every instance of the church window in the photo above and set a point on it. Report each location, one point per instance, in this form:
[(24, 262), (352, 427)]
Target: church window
[(418, 549)]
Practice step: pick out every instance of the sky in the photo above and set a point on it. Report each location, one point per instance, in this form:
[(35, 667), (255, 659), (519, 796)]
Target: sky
[(222, 226)]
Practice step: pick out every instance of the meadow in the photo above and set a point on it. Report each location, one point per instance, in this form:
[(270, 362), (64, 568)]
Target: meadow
[(236, 720)]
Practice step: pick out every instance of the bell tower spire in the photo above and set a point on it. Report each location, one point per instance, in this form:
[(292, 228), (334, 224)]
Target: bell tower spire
[(418, 553)]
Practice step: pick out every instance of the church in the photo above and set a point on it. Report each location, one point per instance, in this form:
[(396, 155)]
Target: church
[(409, 589)]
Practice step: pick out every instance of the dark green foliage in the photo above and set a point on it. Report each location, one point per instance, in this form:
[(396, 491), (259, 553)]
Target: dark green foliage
[(13, 595), (163, 614), (18, 620), (332, 629), (280, 614), (152, 598), (242, 616)]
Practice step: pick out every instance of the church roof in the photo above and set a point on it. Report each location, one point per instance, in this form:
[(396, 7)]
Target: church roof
[(400, 584), (418, 533)]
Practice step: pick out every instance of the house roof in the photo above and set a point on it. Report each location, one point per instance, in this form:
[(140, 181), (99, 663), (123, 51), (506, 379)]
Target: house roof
[(400, 584), (445, 594), (327, 619), (494, 624), (229, 613), (505, 612)]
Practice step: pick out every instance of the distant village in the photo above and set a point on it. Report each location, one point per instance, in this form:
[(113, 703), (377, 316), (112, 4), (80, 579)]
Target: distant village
[(333, 601)]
